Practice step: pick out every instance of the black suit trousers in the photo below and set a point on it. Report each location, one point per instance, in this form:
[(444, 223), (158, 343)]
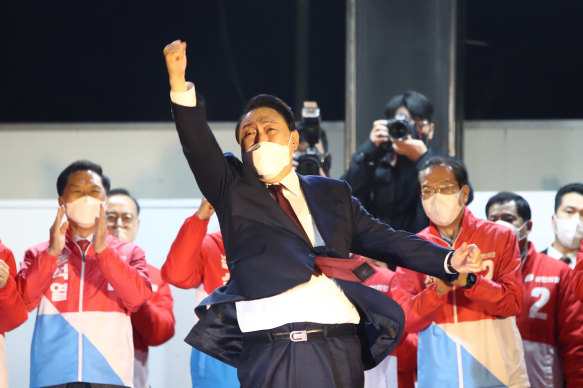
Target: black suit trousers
[(332, 362)]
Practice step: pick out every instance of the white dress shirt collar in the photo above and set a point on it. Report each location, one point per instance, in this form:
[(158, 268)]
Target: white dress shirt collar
[(291, 183)]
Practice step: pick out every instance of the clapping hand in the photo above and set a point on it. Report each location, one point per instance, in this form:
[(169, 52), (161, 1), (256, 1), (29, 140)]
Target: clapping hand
[(57, 233), (467, 258), (4, 273), (100, 230), (206, 210)]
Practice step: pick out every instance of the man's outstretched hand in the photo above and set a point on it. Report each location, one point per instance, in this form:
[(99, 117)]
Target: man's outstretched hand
[(175, 54), (467, 258)]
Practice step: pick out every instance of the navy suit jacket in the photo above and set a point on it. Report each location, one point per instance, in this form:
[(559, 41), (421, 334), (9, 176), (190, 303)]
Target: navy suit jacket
[(267, 254)]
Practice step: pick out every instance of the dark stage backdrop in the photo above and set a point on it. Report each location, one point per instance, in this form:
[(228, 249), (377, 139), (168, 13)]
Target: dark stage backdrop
[(102, 61)]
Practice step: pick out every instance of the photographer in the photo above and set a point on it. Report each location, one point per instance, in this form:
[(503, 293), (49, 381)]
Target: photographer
[(383, 170), (311, 156)]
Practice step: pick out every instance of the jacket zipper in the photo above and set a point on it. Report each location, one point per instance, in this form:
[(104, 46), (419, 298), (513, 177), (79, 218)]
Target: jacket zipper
[(81, 287), (455, 320)]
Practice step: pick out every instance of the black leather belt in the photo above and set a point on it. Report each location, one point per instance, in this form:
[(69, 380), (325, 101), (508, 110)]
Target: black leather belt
[(265, 336)]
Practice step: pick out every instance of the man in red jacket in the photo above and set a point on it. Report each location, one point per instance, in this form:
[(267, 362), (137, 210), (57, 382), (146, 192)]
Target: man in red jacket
[(12, 310), (551, 323), (198, 259), (85, 283), (467, 329), (153, 323)]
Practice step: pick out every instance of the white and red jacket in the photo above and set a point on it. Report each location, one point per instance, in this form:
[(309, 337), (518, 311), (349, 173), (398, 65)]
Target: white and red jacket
[(83, 330), (12, 310), (153, 324), (551, 323), (577, 280), (196, 258), (468, 338)]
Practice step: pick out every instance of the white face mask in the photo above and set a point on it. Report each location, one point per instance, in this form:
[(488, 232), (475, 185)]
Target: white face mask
[(521, 233), (442, 209), (83, 211), (569, 231), (268, 159)]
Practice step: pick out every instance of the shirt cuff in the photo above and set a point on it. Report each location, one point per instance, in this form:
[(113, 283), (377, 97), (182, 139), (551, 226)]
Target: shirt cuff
[(187, 98), (445, 266)]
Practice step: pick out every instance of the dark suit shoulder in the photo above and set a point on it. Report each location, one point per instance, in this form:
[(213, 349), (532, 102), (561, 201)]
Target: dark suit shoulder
[(323, 182)]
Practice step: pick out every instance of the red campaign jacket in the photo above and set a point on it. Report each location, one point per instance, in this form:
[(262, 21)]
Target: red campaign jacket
[(153, 323), (12, 309), (551, 323), (196, 258), (121, 266), (473, 320), (406, 351), (86, 299), (496, 293), (577, 280)]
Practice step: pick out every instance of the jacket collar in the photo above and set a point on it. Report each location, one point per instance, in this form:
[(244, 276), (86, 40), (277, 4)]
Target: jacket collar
[(467, 225)]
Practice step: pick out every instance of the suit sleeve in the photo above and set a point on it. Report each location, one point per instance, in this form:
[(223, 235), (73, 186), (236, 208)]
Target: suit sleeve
[(203, 153), (154, 321), (130, 279), (419, 303), (371, 238), (502, 295), (12, 309), (35, 276), (569, 332), (184, 266)]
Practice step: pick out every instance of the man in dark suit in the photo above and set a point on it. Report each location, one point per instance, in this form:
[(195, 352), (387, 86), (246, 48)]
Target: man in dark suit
[(279, 320)]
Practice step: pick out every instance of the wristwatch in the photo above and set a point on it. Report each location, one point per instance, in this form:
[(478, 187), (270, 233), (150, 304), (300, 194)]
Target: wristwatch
[(470, 280)]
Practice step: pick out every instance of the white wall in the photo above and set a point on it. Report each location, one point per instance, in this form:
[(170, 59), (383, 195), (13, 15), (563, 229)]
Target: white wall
[(145, 158), (523, 155)]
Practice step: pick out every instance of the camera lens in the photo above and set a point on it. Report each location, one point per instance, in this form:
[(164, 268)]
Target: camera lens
[(400, 127), (308, 165), (398, 130)]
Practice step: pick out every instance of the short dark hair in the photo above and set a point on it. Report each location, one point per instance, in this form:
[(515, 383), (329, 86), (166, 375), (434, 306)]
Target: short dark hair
[(570, 188), (416, 103), (122, 191), (522, 206), (80, 165), (268, 101), (459, 170)]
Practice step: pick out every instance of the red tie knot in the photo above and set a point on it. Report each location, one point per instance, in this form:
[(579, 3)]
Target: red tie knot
[(83, 244), (275, 189)]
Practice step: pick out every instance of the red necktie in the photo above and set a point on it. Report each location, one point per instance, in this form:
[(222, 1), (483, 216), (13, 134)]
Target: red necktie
[(276, 190), (83, 244)]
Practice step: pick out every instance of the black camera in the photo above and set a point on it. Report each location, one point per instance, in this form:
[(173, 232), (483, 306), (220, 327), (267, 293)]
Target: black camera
[(311, 160), (400, 127)]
